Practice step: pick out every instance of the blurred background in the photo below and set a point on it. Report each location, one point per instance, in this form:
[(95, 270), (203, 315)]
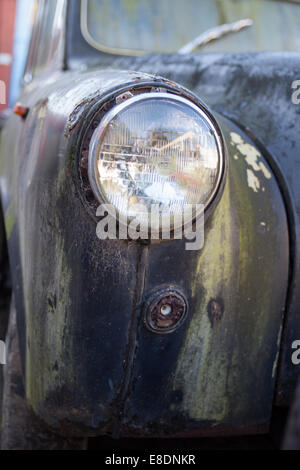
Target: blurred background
[(15, 28), (145, 24), (7, 22)]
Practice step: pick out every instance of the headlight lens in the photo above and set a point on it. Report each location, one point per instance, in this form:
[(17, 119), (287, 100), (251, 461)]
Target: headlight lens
[(155, 148)]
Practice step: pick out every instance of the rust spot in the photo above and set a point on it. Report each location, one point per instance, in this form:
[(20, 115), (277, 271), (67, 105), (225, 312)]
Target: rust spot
[(170, 82), (165, 312), (215, 311), (76, 114), (84, 159)]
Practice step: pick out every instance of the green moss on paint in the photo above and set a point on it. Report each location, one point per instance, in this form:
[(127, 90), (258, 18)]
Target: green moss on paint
[(50, 362), (10, 219), (223, 368)]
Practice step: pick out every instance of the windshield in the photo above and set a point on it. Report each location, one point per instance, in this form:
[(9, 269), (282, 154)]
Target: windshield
[(141, 26)]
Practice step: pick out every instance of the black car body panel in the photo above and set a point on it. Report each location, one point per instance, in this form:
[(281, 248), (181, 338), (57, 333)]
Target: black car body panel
[(255, 91), (88, 357), (89, 363)]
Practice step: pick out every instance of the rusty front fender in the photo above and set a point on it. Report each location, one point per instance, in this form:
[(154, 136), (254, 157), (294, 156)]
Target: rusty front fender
[(90, 364)]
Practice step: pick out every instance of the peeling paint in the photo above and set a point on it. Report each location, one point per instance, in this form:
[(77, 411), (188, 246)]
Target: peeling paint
[(253, 181), (265, 171), (252, 156)]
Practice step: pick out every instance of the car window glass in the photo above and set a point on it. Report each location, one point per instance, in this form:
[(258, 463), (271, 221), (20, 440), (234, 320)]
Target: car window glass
[(141, 26)]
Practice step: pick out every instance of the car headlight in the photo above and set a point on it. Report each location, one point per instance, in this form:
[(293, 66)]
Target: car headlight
[(155, 148)]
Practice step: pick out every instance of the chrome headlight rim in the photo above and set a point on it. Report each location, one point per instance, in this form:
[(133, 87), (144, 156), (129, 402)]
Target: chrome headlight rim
[(99, 109)]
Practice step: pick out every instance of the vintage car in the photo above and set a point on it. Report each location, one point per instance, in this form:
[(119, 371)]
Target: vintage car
[(133, 105)]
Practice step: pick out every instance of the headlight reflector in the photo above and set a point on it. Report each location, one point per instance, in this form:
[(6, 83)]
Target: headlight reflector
[(155, 148)]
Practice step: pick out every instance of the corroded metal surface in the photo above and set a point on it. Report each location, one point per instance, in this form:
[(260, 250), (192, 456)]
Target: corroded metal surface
[(221, 375), (255, 91), (165, 311), (20, 429), (90, 364)]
